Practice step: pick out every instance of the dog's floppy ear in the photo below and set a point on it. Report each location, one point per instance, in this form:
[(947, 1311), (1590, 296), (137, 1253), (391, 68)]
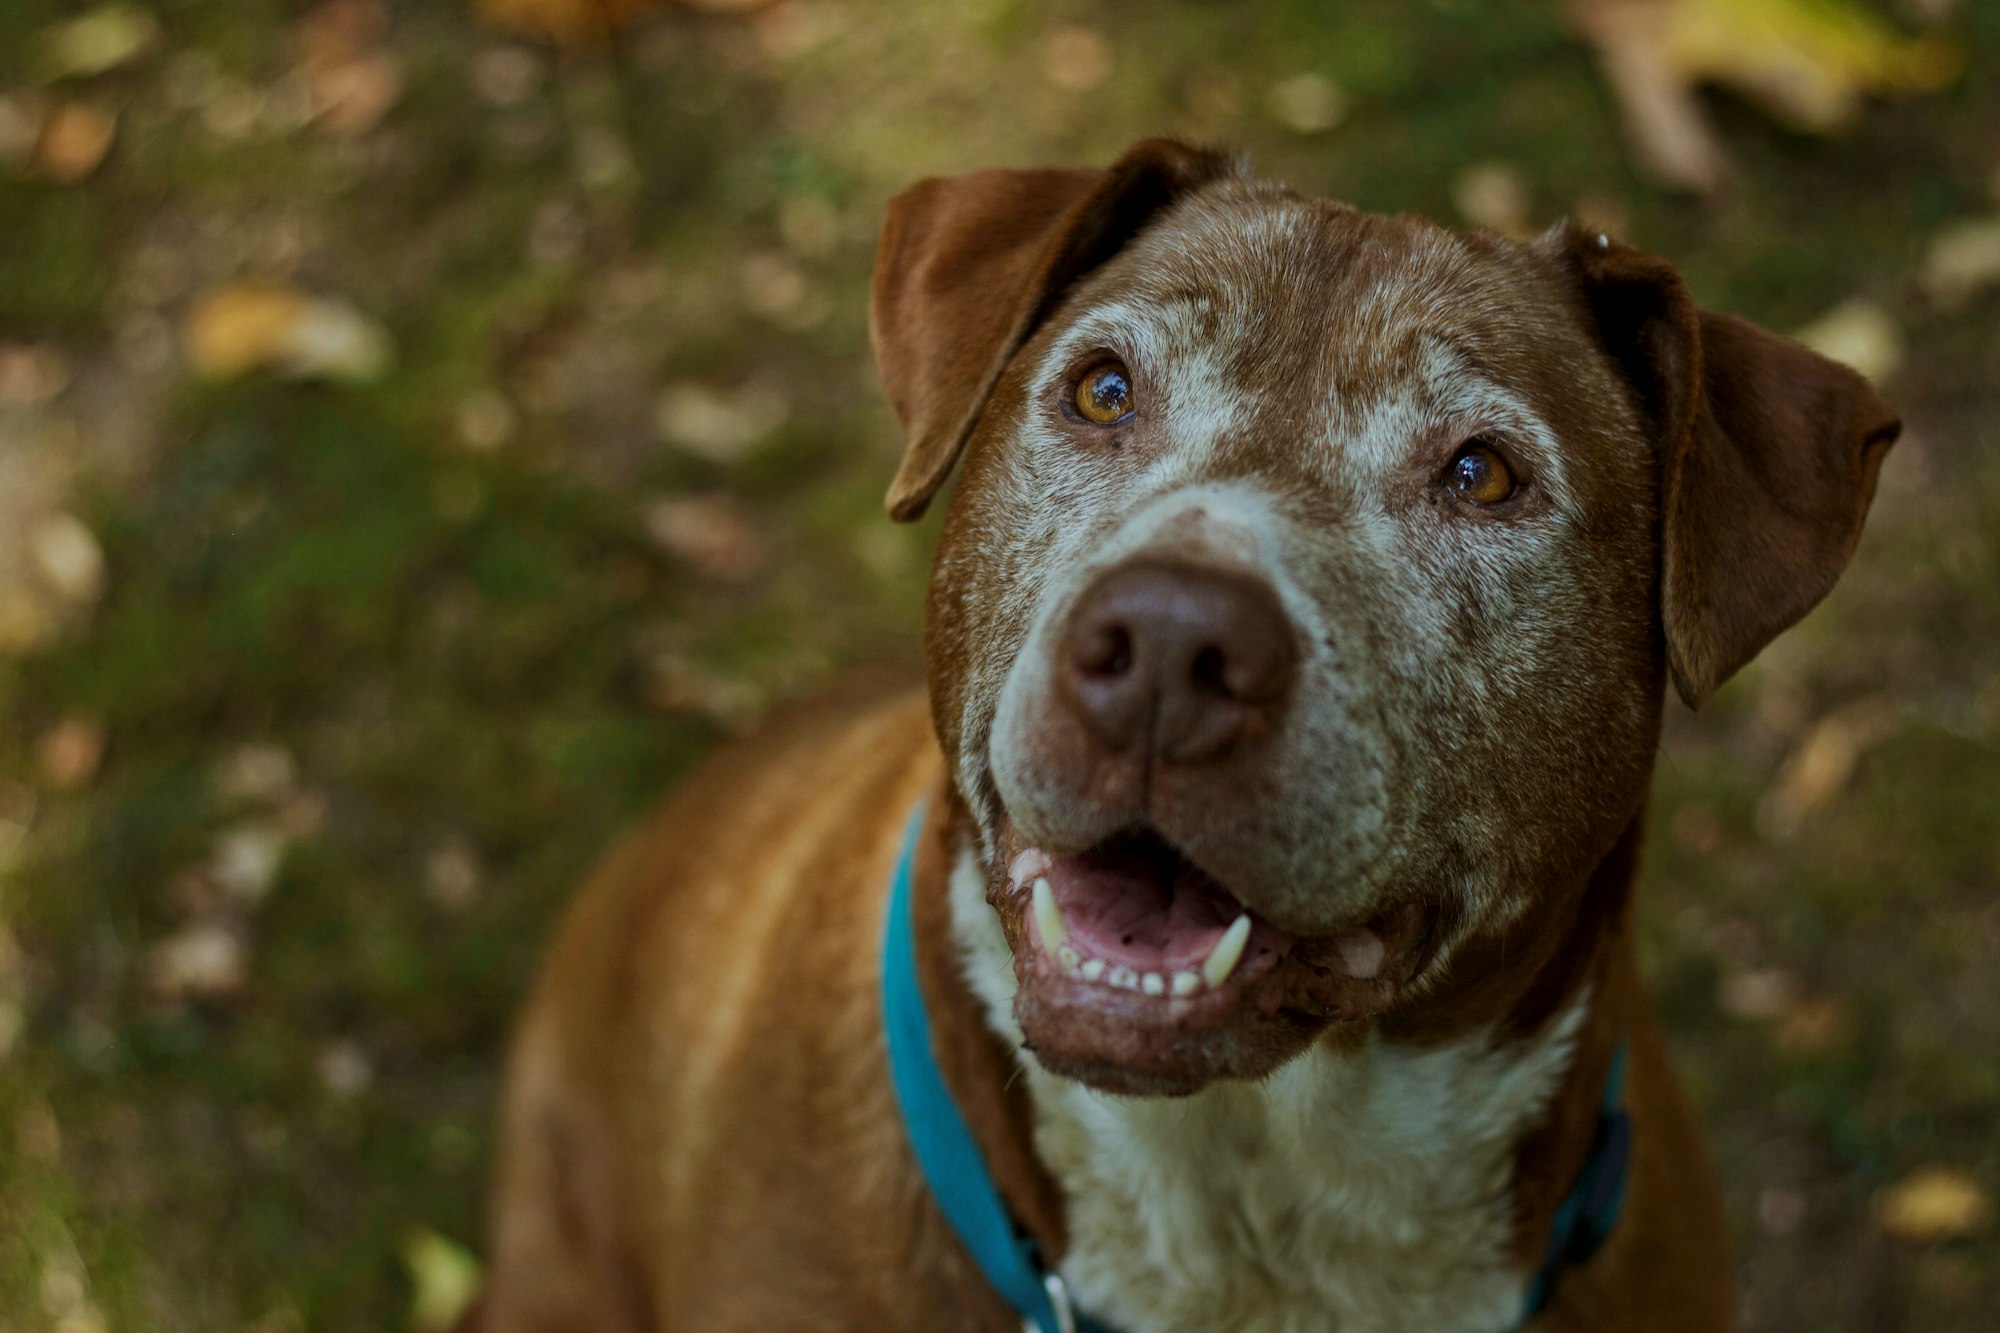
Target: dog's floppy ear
[(1768, 458), (969, 265)]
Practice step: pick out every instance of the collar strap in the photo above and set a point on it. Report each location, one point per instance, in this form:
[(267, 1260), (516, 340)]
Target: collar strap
[(965, 1193)]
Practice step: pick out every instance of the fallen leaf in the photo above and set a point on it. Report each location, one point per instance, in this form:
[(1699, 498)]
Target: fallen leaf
[(452, 875), (444, 1279), (1962, 261), (1809, 63), (245, 860), (247, 326), (31, 374), (1932, 1204), (564, 22), (71, 562), (96, 42), (344, 1069), (485, 421), (1077, 59), (1495, 195), (717, 426), (1761, 994), (350, 80), (711, 533), (1822, 764), (74, 140), (506, 75), (1811, 1026), (21, 118), (263, 773), (1858, 333), (203, 961), (1308, 103), (70, 752)]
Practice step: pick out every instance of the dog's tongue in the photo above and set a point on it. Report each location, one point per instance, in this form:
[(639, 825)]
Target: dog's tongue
[(1134, 907)]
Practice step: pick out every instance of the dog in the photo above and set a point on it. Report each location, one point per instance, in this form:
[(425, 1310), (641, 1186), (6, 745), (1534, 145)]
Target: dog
[(1237, 931)]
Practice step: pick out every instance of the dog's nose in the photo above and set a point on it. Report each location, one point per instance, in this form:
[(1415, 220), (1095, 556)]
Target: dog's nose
[(1186, 661)]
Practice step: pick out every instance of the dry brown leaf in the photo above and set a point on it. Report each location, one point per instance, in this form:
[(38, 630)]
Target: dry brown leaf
[(565, 22), (245, 326), (70, 753), (74, 140), (711, 533), (1932, 1204), (31, 374), (1076, 59), (1823, 763), (1762, 994), (350, 80), (1809, 63)]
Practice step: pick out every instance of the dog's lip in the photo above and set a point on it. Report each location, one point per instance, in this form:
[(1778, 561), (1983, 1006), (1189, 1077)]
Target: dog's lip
[(1229, 964)]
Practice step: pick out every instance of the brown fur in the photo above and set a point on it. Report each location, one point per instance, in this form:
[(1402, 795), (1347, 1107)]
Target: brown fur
[(699, 1132)]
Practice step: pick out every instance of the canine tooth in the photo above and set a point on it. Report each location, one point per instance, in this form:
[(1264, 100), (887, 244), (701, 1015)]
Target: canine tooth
[(1027, 866), (1153, 984), (1361, 952), (1069, 958), (1228, 951), (1093, 969), (1186, 983), (1049, 917), (1124, 978)]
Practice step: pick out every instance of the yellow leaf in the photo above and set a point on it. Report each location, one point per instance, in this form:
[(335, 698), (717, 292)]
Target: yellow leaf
[(245, 326), (444, 1277), (1809, 63), (1935, 1203)]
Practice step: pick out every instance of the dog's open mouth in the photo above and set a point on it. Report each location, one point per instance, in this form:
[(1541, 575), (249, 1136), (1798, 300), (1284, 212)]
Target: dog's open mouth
[(1140, 972)]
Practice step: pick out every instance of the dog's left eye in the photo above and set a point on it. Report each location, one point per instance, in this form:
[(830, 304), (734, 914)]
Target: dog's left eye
[(1104, 394), (1478, 473)]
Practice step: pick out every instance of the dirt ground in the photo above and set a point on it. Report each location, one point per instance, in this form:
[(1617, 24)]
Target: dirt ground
[(417, 444)]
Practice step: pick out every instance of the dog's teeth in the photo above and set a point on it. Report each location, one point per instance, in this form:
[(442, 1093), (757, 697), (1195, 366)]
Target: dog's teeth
[(1069, 958), (1186, 983), (1049, 918), (1124, 978), (1361, 952), (1228, 951), (1093, 969), (1028, 865), (1153, 984)]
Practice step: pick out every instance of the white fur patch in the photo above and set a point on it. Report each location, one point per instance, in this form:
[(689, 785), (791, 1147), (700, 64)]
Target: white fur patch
[(1365, 1189)]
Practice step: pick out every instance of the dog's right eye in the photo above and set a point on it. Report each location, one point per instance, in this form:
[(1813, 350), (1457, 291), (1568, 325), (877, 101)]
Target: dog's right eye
[(1104, 394)]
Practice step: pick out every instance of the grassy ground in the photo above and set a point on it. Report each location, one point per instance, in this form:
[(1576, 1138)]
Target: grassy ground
[(379, 666)]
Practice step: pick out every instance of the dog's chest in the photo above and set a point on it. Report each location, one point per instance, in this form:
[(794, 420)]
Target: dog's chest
[(1354, 1190)]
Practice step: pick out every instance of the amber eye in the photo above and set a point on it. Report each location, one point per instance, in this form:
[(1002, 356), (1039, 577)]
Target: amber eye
[(1480, 475), (1104, 394)]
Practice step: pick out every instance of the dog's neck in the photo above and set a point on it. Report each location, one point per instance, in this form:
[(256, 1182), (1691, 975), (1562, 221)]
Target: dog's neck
[(1398, 1177)]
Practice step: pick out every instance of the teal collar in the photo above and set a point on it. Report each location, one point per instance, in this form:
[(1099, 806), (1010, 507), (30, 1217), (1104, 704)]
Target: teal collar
[(965, 1193)]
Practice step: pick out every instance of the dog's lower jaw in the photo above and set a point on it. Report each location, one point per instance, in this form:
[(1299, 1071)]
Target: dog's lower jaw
[(1395, 1159)]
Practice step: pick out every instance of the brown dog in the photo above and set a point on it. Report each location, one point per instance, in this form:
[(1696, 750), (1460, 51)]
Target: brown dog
[(1296, 650)]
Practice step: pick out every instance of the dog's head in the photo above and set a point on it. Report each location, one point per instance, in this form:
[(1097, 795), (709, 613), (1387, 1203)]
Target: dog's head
[(1305, 607)]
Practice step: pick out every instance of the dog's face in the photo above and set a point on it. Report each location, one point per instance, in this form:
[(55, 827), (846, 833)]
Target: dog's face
[(1299, 615)]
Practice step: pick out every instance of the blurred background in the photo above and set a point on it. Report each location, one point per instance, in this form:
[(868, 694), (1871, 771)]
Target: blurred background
[(425, 428)]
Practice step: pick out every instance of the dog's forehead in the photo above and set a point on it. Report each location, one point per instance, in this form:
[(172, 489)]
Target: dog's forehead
[(1311, 296)]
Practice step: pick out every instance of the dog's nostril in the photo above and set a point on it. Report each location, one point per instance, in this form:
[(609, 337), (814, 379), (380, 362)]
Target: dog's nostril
[(1107, 652), (1209, 671)]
